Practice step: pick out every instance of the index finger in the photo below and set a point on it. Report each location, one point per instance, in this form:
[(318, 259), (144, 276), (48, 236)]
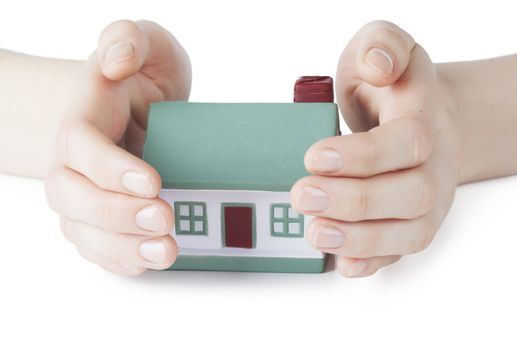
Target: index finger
[(83, 148), (399, 144)]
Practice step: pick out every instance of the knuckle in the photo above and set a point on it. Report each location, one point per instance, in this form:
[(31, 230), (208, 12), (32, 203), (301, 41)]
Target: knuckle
[(368, 148), (106, 213), (379, 24), (383, 35), (358, 209), (365, 245), (124, 26), (423, 236), (67, 229), (426, 194), (50, 189), (105, 243), (419, 142), (63, 144), (118, 252), (54, 190), (100, 167), (87, 255), (385, 32)]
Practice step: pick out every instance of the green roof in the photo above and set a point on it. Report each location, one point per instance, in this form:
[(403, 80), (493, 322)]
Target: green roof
[(235, 146)]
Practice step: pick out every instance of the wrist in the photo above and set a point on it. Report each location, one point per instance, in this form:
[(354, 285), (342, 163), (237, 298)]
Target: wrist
[(452, 102), (32, 104), (482, 107)]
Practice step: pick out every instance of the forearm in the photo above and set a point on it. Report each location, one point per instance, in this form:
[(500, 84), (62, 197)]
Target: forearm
[(484, 107), (33, 92)]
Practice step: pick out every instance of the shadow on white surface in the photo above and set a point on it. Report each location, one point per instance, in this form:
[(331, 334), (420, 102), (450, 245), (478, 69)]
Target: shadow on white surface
[(464, 281)]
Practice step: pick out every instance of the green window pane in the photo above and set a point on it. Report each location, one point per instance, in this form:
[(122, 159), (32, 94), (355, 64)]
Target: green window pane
[(191, 218), (285, 221)]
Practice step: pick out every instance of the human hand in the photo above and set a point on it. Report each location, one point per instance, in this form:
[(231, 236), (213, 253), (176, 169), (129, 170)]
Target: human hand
[(105, 195), (384, 191)]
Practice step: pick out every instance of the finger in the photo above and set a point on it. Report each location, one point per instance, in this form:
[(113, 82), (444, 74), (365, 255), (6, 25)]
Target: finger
[(373, 238), (83, 148), (352, 267), (71, 195), (402, 195), (157, 253), (127, 47), (399, 144), (110, 265)]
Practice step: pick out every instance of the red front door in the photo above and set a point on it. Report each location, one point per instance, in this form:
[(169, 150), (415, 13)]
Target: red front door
[(238, 226)]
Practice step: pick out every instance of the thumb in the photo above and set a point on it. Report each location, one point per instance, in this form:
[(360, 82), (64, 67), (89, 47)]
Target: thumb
[(122, 49), (126, 48), (378, 54)]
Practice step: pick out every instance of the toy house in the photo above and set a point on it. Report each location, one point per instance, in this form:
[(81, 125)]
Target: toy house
[(227, 169)]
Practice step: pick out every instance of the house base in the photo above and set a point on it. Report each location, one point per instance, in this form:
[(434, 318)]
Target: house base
[(249, 264)]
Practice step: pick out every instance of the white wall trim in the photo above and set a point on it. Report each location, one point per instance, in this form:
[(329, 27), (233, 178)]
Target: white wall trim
[(266, 245)]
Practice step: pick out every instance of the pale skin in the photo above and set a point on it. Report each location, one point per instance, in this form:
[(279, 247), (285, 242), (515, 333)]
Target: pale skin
[(420, 129)]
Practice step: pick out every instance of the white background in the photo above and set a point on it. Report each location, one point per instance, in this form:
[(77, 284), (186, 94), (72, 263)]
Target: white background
[(461, 292)]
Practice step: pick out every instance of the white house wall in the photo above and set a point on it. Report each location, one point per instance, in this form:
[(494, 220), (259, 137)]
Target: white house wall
[(266, 245)]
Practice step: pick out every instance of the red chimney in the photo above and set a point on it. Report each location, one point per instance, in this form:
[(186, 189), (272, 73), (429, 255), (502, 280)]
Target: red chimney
[(314, 89)]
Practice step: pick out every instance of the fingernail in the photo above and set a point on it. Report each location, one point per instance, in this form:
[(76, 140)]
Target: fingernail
[(137, 183), (151, 218), (153, 251), (312, 199), (328, 237), (326, 160), (118, 52), (380, 60), (356, 268)]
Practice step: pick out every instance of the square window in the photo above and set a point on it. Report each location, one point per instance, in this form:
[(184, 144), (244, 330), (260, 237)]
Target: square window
[(278, 227), (198, 226), (185, 225), (285, 221), (294, 228), (198, 210), (278, 212), (191, 218), (184, 210), (293, 214)]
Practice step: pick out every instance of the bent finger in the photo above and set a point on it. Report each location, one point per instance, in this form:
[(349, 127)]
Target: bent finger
[(157, 253), (111, 265), (72, 195), (352, 267), (83, 148), (399, 144), (405, 194), (373, 238)]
